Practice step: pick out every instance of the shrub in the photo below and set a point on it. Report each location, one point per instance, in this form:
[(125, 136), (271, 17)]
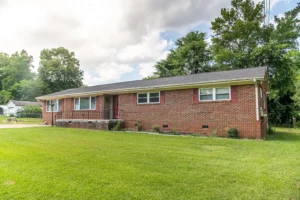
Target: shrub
[(139, 126), (11, 115), (156, 128), (30, 112), (233, 133), (117, 127)]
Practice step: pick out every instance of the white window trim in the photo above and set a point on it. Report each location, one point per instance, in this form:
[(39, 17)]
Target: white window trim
[(57, 106), (148, 97), (90, 103), (214, 94)]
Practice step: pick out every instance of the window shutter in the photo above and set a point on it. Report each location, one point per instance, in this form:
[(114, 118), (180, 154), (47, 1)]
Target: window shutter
[(134, 99), (234, 94), (195, 95), (162, 97)]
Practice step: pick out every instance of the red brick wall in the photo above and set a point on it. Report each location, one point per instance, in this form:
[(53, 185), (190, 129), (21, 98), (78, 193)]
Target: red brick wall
[(182, 112), (67, 105)]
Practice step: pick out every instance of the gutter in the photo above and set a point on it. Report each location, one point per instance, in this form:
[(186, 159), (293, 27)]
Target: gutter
[(138, 89)]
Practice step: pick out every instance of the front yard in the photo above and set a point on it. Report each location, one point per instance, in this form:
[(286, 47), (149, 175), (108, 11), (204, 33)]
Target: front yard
[(58, 163)]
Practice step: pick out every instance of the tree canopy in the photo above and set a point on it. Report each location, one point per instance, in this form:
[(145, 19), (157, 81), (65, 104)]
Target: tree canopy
[(191, 56), (59, 70)]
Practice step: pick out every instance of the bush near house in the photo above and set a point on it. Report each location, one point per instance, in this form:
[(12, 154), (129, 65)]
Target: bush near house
[(30, 112)]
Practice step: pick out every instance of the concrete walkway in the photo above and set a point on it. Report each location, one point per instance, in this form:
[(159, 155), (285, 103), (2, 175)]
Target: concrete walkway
[(21, 125)]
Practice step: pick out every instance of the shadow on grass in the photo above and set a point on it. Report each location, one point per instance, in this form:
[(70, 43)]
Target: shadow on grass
[(285, 134)]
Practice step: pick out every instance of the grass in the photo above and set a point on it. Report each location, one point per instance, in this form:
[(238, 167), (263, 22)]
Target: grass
[(21, 120), (59, 163)]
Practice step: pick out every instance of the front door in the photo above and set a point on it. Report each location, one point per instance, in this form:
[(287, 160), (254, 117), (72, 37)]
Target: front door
[(115, 107)]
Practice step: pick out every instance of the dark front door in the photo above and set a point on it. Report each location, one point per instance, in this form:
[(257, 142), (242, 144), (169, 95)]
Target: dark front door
[(116, 107)]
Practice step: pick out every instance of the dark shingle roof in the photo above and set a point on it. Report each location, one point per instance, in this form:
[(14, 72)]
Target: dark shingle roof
[(240, 74), (26, 103)]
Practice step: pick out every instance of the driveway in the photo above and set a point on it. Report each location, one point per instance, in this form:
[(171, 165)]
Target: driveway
[(21, 125)]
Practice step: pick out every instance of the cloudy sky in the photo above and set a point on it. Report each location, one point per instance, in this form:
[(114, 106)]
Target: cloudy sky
[(115, 40)]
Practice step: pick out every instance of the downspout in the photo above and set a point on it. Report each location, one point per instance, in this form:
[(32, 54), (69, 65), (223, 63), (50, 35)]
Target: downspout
[(256, 100)]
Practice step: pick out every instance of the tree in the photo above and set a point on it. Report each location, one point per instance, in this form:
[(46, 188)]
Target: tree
[(191, 56), (27, 90), (237, 32), (4, 97), (15, 68), (59, 70)]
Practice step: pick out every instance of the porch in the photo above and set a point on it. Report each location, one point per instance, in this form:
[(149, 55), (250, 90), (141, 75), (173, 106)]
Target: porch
[(88, 114)]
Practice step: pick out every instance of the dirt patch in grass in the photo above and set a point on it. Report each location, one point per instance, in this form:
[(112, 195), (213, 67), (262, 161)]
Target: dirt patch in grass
[(9, 183)]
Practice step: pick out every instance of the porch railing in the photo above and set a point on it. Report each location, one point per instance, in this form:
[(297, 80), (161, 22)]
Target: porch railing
[(88, 114)]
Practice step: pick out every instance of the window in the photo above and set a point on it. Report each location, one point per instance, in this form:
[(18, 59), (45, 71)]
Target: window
[(206, 94), (214, 94), (85, 103), (222, 94), (56, 105), (148, 98)]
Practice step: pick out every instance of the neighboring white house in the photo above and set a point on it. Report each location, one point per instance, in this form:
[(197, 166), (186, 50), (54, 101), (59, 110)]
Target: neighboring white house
[(13, 106)]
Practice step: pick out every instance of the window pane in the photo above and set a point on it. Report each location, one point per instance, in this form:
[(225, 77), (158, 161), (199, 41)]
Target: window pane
[(93, 103), (222, 90), (206, 97), (143, 95), (54, 102), (154, 97), (206, 91), (222, 96), (77, 104), (142, 98), (48, 106), (59, 105), (84, 103), (156, 94), (154, 100)]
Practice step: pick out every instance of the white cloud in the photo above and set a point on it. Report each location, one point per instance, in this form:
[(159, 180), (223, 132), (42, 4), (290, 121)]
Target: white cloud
[(108, 37), (107, 72)]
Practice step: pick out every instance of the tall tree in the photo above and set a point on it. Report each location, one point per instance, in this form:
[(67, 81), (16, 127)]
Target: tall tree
[(237, 32), (191, 56), (15, 68), (59, 70)]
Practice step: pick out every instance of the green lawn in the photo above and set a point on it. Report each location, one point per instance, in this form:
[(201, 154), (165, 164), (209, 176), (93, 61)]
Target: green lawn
[(22, 120), (59, 163)]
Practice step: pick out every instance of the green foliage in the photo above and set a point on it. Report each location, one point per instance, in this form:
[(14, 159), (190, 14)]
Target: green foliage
[(233, 133), (4, 97), (151, 77), (30, 112), (139, 126), (15, 68), (59, 70), (27, 90), (236, 33), (117, 127), (191, 56), (156, 128)]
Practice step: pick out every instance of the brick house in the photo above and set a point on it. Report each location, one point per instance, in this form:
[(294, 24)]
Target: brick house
[(201, 103)]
